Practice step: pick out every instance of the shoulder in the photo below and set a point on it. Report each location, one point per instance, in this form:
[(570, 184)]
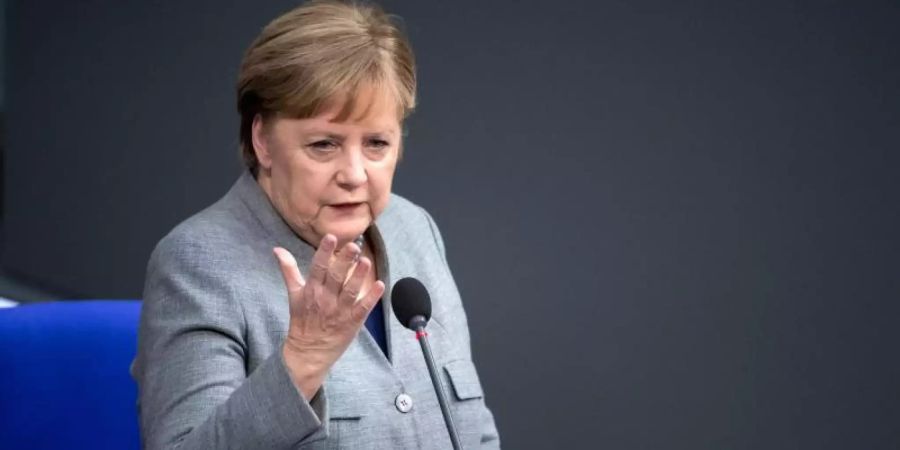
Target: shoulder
[(410, 222), (399, 209), (213, 243), (214, 229)]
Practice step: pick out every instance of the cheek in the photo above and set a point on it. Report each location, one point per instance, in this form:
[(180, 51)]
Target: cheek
[(302, 188)]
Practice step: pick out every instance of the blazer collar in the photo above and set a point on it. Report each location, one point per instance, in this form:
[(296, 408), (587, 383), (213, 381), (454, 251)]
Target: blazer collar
[(257, 202)]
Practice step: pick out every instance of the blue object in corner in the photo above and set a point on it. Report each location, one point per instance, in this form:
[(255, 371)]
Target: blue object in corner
[(64, 378)]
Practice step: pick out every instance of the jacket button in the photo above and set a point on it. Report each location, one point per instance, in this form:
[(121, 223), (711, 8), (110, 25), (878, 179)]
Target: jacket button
[(404, 403)]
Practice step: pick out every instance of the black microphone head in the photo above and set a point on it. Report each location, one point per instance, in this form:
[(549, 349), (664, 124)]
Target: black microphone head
[(409, 299)]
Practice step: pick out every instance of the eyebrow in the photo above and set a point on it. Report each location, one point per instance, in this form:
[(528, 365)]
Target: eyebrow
[(341, 137)]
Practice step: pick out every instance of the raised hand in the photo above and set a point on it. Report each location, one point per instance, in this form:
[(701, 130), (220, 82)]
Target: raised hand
[(327, 309)]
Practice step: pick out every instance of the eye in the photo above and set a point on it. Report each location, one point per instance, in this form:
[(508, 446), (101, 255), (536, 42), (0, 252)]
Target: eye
[(378, 144), (323, 146)]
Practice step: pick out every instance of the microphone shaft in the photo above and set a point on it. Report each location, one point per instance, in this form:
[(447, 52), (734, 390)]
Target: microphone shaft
[(422, 337)]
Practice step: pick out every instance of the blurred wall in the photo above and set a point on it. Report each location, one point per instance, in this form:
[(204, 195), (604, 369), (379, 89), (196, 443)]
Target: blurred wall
[(674, 224)]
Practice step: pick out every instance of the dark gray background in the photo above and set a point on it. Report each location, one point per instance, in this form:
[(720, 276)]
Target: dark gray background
[(674, 224)]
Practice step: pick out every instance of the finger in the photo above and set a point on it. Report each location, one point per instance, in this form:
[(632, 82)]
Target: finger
[(322, 259), (337, 272), (350, 292), (289, 270), (364, 305)]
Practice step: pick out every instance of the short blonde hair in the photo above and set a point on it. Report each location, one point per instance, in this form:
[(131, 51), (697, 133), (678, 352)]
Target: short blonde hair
[(319, 51)]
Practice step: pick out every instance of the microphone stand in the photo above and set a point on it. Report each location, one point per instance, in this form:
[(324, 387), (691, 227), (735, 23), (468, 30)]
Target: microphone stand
[(418, 323)]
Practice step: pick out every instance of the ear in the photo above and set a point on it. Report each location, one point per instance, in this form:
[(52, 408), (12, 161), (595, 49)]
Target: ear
[(260, 142), (401, 145)]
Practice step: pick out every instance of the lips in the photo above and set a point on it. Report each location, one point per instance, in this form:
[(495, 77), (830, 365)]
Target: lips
[(345, 207)]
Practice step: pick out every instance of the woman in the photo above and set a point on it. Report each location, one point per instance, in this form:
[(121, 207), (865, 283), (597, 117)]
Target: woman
[(237, 348)]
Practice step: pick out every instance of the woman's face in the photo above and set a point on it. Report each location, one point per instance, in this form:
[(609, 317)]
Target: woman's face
[(327, 176)]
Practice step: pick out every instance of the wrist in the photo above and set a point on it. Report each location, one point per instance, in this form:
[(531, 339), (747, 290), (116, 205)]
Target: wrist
[(306, 370)]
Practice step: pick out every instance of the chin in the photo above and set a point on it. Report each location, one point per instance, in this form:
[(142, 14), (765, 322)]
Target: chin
[(350, 230)]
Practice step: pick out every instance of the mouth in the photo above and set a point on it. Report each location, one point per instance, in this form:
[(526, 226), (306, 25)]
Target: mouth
[(346, 207)]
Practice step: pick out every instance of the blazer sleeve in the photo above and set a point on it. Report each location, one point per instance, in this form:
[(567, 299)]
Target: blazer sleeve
[(194, 389), (490, 438)]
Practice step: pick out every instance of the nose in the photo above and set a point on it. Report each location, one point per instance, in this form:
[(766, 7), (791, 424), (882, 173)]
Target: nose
[(352, 170)]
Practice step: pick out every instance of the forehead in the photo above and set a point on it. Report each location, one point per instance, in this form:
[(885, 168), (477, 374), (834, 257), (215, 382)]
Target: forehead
[(368, 105)]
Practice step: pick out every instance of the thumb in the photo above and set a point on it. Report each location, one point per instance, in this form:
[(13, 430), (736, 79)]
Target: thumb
[(289, 270)]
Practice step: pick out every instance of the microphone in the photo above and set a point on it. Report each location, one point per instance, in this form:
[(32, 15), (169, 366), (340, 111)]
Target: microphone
[(412, 306)]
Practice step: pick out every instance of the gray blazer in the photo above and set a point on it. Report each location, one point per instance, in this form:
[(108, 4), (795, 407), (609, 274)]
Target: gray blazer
[(209, 368)]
